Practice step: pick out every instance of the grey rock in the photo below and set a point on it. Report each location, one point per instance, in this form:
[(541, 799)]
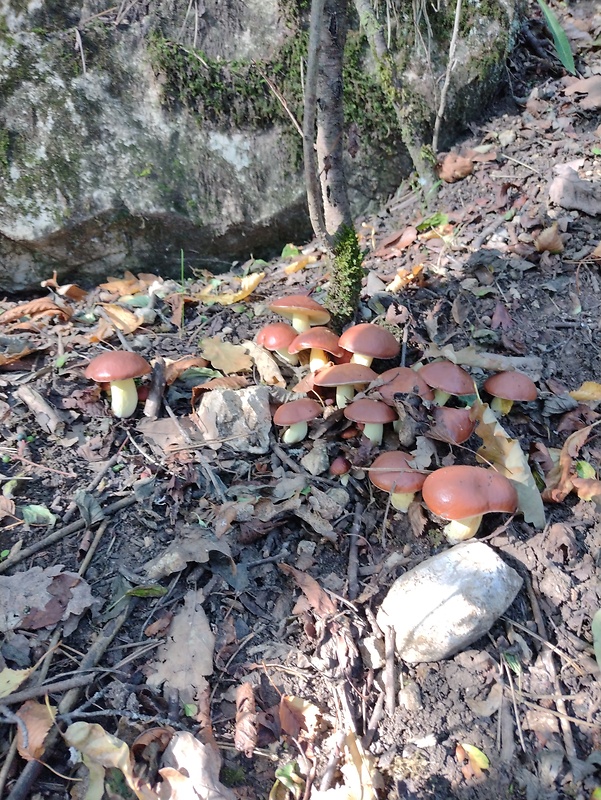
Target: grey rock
[(239, 419), (448, 601)]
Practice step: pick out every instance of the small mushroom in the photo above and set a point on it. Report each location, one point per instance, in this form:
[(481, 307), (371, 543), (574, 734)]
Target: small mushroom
[(401, 380), (447, 379), (340, 468), (276, 337), (119, 368), (301, 310), (463, 494), (295, 415), (508, 387), (373, 414), (392, 472), (345, 378), (319, 341), (367, 341)]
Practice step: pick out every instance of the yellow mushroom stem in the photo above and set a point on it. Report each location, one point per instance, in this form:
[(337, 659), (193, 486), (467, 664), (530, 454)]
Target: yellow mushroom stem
[(359, 358), (318, 359), (440, 398), (124, 398), (461, 529), (401, 500), (374, 432), (289, 358), (300, 322), (501, 406), (295, 433)]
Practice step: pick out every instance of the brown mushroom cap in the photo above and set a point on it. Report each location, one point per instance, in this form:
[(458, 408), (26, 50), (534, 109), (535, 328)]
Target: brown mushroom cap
[(391, 472), (461, 491), (297, 411), (344, 375), (370, 340), (317, 338), (453, 425), (402, 380), (370, 412), (276, 336), (511, 386), (300, 304), (447, 377), (117, 365)]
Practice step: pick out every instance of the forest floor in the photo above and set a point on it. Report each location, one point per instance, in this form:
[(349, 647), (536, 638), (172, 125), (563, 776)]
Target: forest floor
[(170, 584)]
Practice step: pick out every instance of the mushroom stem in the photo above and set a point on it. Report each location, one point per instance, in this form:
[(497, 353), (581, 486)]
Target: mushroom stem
[(289, 358), (440, 397), (124, 398), (461, 529), (318, 359), (501, 406), (344, 395), (401, 500), (374, 432), (295, 433), (300, 322), (359, 358)]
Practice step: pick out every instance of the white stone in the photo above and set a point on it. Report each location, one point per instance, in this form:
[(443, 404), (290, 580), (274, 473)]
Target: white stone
[(448, 601), (239, 420)]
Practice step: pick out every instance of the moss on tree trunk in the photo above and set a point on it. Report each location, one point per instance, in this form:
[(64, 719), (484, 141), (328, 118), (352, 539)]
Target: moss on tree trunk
[(346, 277)]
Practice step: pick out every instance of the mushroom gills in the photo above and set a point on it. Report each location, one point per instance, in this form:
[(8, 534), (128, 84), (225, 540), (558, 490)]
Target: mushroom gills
[(124, 397), (461, 529)]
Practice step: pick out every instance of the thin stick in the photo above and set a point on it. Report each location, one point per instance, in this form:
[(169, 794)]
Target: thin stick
[(374, 721), (328, 775), (389, 640), (447, 77), (49, 688), (280, 97), (353, 553), (93, 547)]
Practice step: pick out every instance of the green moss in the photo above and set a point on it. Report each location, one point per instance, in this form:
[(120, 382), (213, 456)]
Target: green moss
[(347, 275), (4, 150)]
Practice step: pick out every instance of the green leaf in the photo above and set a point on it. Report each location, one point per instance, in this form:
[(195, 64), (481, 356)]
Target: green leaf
[(60, 361), (38, 515), (562, 45), (190, 709), (596, 631), (146, 590), (596, 151), (585, 470), (475, 755), (438, 218), (89, 507), (290, 251), (513, 663)]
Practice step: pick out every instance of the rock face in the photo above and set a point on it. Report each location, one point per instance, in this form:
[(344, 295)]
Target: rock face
[(448, 601), (130, 134)]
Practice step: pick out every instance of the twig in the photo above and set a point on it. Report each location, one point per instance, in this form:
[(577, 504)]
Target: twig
[(21, 555), (79, 45), (72, 507), (93, 547), (152, 406), (48, 688), (353, 553), (389, 682), (279, 96), (328, 775), (447, 77), (102, 313), (374, 721), (8, 762), (515, 705)]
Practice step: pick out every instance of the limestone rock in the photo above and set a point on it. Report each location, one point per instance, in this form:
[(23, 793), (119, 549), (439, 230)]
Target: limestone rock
[(448, 601), (240, 419)]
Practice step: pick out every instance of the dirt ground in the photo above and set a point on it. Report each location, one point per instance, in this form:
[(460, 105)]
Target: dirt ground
[(107, 498)]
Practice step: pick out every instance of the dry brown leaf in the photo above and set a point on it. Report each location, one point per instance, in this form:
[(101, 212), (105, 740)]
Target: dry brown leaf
[(588, 489), (247, 285), (590, 88), (405, 277), (129, 284), (7, 507), (361, 778), (569, 191), (14, 349), (159, 626), (589, 392), (227, 382), (226, 357), (320, 602), (298, 717), (245, 734), (174, 369), (397, 241), (267, 367), (299, 264), (122, 318), (11, 679), (455, 167), (549, 240), (191, 771), (41, 307), (560, 480), (38, 719), (501, 318)]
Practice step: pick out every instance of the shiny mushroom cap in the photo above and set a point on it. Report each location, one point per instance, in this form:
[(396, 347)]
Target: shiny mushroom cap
[(447, 377), (295, 411), (117, 365), (370, 412), (453, 425), (317, 338), (369, 340), (276, 336), (460, 492), (511, 386), (401, 380), (391, 472), (302, 310), (344, 375)]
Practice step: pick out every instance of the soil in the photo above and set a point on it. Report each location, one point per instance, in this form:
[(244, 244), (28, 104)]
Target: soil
[(471, 278)]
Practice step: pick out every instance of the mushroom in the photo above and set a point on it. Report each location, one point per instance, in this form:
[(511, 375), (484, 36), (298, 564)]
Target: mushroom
[(368, 341), (447, 379), (508, 387), (453, 425), (301, 311), (277, 337), (346, 378), (320, 341), (373, 414), (295, 416), (340, 468), (391, 472), (462, 494), (119, 368), (401, 380)]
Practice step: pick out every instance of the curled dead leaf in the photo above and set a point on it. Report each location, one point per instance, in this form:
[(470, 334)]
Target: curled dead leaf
[(549, 240), (247, 285), (38, 718), (455, 167)]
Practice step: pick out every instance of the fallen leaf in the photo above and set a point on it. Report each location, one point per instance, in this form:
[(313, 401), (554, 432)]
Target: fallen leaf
[(267, 367), (11, 679), (405, 277), (38, 718), (588, 488), (191, 771), (299, 264), (590, 88), (549, 240), (247, 285), (320, 602), (361, 778), (122, 319), (476, 760), (397, 241), (174, 369), (40, 307), (245, 733), (559, 481), (14, 348), (589, 392), (501, 318), (569, 191), (455, 167), (226, 357), (299, 718), (129, 284)]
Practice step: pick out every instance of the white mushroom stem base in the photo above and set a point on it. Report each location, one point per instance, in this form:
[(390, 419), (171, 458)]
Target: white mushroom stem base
[(124, 398), (401, 500), (359, 358), (461, 529), (318, 359), (289, 358), (501, 406), (295, 433), (374, 432)]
